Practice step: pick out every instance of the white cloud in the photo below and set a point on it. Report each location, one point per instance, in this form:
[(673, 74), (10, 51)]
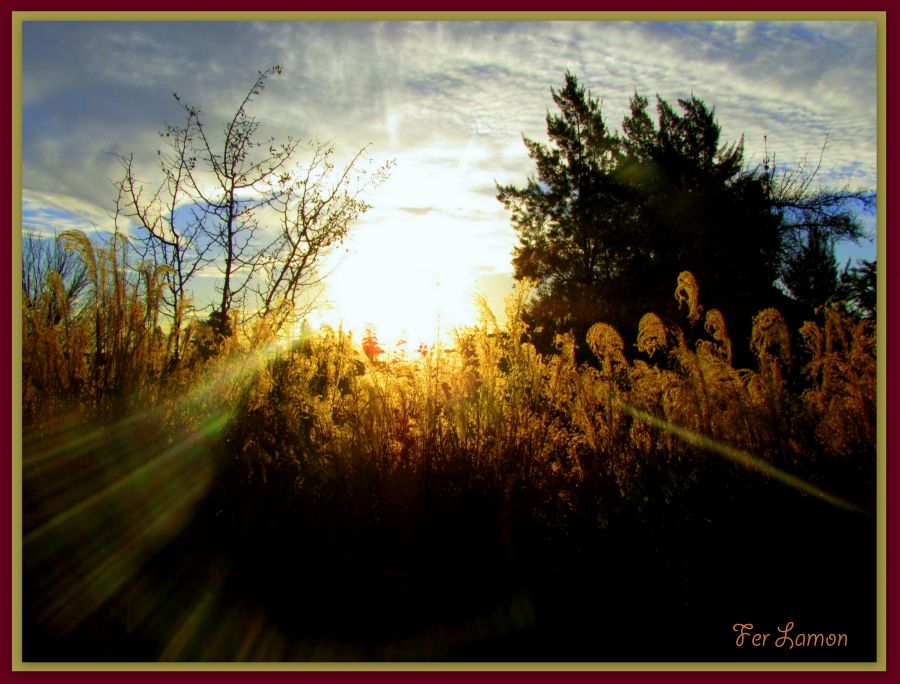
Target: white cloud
[(448, 100), (53, 212)]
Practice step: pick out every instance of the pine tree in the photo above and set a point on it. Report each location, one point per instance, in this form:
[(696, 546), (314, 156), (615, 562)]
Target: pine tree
[(697, 209), (570, 217), (811, 274), (859, 288), (608, 221)]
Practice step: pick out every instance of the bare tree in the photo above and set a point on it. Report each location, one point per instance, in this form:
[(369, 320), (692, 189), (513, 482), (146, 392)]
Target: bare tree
[(170, 238), (246, 207), (315, 209)]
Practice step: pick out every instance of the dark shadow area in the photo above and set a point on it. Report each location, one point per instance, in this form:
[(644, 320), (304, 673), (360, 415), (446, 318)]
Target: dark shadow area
[(449, 563)]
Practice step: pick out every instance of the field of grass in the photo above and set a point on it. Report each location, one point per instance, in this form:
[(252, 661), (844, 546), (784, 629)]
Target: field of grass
[(251, 499)]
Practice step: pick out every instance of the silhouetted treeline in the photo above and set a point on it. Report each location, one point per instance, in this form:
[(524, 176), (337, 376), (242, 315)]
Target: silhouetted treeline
[(610, 218)]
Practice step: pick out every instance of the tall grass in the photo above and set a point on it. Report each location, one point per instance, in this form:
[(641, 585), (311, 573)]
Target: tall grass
[(492, 407), (488, 453)]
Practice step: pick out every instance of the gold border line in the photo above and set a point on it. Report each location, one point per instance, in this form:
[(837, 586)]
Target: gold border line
[(18, 17), (450, 667), (881, 341), (16, 372), (424, 15)]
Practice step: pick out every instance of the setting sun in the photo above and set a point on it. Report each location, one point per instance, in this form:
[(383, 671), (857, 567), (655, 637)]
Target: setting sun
[(409, 282), (411, 267)]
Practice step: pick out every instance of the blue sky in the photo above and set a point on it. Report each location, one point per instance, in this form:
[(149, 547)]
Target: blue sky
[(448, 101)]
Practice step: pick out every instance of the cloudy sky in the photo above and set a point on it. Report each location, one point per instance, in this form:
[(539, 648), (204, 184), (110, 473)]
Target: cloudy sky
[(448, 101)]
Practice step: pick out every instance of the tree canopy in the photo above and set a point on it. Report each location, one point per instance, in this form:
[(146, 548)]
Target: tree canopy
[(610, 219)]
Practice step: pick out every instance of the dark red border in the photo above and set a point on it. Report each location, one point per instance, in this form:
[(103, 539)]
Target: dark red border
[(892, 153)]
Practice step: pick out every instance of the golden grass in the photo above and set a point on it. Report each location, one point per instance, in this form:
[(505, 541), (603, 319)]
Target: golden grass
[(276, 459), (492, 402)]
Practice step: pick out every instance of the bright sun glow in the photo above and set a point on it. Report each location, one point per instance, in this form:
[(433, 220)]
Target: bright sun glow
[(411, 282), (410, 267)]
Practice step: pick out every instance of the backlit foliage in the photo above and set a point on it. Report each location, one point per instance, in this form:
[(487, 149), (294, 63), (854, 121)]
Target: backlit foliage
[(325, 428), (492, 402)]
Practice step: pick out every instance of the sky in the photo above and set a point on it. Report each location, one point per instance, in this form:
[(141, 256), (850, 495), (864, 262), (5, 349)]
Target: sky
[(447, 102)]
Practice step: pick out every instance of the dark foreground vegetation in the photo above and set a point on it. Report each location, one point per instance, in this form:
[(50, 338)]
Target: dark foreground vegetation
[(484, 503)]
